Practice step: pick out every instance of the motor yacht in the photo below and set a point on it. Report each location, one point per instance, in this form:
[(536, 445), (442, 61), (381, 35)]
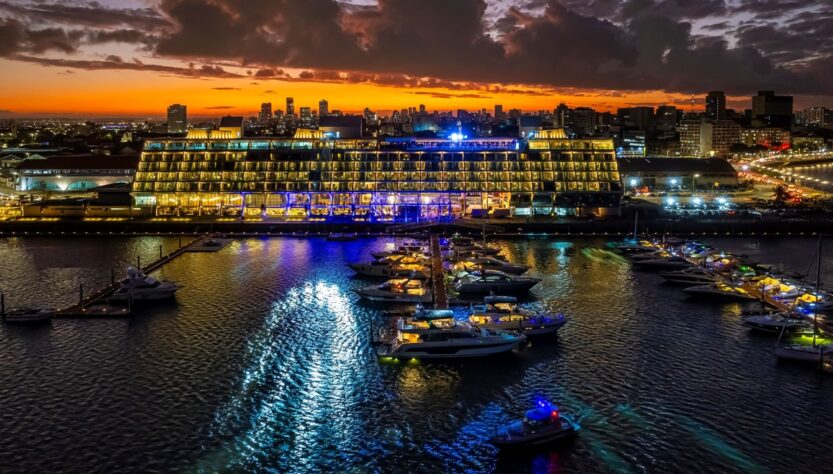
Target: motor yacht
[(492, 281), (405, 249), (27, 315), (719, 292), (137, 286), (398, 290), (491, 263), (393, 266), (503, 312), (776, 322), (437, 335), (543, 425), (667, 263), (690, 276), (635, 246), (476, 249), (800, 353)]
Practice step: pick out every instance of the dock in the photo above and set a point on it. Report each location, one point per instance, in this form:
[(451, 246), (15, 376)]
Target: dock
[(78, 310), (437, 274)]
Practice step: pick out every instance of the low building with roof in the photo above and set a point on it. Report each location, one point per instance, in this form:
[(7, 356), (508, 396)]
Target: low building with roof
[(677, 173), (73, 173)]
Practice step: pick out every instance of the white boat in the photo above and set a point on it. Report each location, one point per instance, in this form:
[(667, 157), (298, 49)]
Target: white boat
[(503, 312), (137, 286), (719, 292), (398, 290), (491, 263), (404, 249), (775, 323), (28, 315), (436, 335), (690, 276), (799, 353), (491, 281), (386, 268)]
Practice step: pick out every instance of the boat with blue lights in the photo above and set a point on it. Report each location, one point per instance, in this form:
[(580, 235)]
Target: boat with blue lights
[(435, 334), (503, 312), (542, 425)]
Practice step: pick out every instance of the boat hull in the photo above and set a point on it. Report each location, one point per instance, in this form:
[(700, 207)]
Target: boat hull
[(508, 443), (513, 288), (429, 350)]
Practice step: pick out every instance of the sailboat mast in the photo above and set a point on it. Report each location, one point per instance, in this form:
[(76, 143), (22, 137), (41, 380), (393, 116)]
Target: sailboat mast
[(818, 281)]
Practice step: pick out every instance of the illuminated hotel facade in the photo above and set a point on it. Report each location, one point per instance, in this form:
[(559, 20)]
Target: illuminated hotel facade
[(315, 177)]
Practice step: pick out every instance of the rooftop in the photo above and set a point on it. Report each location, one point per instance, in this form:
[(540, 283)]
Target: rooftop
[(675, 165), (75, 162)]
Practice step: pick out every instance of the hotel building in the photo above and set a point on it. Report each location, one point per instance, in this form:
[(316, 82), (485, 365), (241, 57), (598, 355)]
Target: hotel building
[(315, 177)]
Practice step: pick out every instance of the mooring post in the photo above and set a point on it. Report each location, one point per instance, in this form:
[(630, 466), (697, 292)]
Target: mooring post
[(160, 251), (139, 262)]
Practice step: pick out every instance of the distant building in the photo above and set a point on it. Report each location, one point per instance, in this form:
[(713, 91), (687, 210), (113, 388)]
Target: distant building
[(323, 108), (265, 113), (177, 118), (422, 108), (232, 125), (716, 105), (631, 144), (666, 118), (306, 117), (528, 125), (499, 114), (770, 137), (672, 173), (770, 110), (290, 106), (78, 173), (584, 121), (701, 138), (345, 126), (819, 117)]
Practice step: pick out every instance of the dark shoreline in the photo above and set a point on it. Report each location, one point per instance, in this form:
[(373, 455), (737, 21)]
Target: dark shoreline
[(500, 228)]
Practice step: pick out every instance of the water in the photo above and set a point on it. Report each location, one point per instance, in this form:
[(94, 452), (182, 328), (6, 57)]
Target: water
[(264, 364)]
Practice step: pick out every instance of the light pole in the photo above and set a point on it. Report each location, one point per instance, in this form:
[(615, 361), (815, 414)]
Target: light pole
[(693, 184)]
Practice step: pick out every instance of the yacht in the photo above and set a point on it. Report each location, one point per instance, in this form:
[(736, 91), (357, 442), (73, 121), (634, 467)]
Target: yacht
[(543, 425), (668, 263), (398, 290), (635, 246), (690, 276), (502, 312), (799, 353), (775, 323), (477, 249), (28, 315), (436, 335), (405, 249), (492, 281), (491, 263), (391, 267), (137, 286), (720, 292)]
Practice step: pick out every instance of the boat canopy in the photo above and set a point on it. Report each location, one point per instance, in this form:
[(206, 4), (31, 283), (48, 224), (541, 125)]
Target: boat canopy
[(426, 314)]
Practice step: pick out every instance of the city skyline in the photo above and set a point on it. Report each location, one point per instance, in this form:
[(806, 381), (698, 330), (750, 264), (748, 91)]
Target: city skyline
[(132, 58)]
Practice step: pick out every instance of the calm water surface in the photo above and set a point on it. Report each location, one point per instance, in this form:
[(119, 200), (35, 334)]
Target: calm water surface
[(264, 364)]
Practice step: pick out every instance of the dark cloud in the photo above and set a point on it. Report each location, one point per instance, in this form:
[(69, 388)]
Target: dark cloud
[(225, 88), (220, 107), (116, 63), (86, 14), (604, 44)]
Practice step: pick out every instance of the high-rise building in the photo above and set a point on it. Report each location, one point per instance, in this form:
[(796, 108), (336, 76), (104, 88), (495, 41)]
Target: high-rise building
[(323, 108), (422, 108), (642, 117), (290, 106), (666, 118), (499, 115), (700, 138), (772, 110), (584, 120), (306, 116), (265, 113), (815, 117), (716, 105), (177, 118), (563, 116)]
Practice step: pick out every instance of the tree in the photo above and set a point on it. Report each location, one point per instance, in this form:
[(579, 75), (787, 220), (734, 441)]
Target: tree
[(781, 194)]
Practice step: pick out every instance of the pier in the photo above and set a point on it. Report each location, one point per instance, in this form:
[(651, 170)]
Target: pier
[(79, 310), (437, 274)]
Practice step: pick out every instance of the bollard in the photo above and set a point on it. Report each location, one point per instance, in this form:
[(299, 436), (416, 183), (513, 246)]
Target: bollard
[(160, 252), (138, 262)]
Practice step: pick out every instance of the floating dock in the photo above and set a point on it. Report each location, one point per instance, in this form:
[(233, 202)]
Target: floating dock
[(81, 309), (437, 274)]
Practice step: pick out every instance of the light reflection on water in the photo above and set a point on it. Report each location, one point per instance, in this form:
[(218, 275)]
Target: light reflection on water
[(264, 363)]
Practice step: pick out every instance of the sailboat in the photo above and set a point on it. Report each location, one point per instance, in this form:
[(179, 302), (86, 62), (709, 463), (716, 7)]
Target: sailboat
[(796, 352)]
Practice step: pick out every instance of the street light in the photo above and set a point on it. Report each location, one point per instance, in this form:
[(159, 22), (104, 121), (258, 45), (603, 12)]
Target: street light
[(693, 185)]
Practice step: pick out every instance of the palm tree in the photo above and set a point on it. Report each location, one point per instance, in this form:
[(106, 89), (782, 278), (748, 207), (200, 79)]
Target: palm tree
[(781, 194)]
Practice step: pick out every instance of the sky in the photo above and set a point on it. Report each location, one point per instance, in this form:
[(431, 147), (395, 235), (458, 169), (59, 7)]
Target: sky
[(132, 58)]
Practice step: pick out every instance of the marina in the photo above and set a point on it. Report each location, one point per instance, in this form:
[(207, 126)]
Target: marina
[(268, 300)]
